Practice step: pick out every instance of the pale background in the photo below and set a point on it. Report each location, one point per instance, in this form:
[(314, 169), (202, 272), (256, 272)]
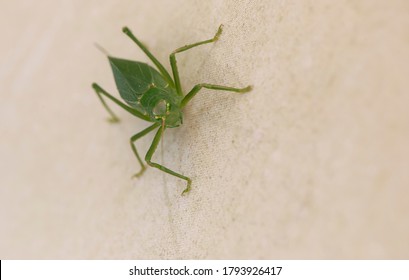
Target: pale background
[(313, 163)]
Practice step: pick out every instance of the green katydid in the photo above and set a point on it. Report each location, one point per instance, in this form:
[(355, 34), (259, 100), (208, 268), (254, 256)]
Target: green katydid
[(154, 96)]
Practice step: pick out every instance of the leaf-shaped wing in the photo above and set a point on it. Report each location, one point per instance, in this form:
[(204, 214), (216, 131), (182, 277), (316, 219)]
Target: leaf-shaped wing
[(134, 78)]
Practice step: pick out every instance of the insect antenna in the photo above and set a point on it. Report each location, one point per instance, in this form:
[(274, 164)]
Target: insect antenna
[(162, 140), (101, 49)]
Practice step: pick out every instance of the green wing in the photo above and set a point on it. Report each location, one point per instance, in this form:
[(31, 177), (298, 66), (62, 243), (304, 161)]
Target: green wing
[(134, 78)]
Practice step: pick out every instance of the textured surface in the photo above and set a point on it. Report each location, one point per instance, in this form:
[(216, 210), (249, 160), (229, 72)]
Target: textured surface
[(313, 163)]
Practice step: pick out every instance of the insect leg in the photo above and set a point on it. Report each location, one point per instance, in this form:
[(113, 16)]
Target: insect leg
[(198, 87), (155, 61), (152, 150), (136, 137), (114, 118), (172, 57)]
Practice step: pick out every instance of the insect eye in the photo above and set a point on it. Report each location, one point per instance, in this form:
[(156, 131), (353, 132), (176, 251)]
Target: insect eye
[(160, 108)]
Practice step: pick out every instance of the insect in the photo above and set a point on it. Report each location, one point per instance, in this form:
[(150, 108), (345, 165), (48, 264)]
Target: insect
[(154, 96)]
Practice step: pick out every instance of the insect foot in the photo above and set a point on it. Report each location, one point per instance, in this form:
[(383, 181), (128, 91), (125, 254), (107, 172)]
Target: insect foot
[(189, 183), (113, 120), (246, 89), (218, 33), (139, 174)]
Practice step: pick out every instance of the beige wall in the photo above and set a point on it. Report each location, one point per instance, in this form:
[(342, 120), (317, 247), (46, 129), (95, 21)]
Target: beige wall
[(313, 163)]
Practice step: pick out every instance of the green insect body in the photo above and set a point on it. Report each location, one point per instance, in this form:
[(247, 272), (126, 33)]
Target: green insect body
[(154, 96)]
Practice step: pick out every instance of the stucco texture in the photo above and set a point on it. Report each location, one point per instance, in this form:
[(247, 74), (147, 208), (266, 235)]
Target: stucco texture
[(312, 164)]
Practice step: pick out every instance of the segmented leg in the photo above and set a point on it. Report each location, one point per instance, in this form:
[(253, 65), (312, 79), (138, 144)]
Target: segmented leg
[(155, 61), (172, 57), (136, 137), (99, 90), (198, 87), (152, 150), (114, 118)]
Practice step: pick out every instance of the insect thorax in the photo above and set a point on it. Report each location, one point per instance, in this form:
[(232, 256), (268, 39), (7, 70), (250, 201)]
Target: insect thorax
[(160, 103)]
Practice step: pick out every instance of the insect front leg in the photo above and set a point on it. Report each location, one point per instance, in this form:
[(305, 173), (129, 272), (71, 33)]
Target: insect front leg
[(132, 141), (152, 150), (172, 57), (198, 87), (99, 90)]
